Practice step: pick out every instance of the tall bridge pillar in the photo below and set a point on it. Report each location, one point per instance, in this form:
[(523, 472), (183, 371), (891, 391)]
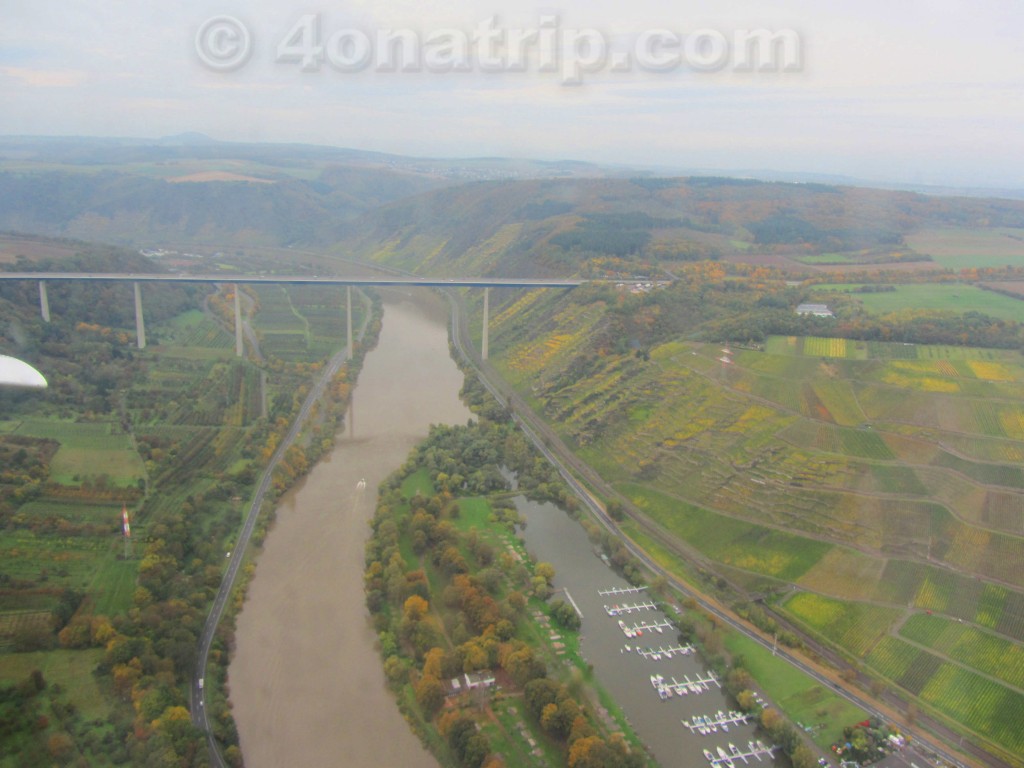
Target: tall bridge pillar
[(140, 325), (44, 302), (483, 343), (348, 318), (239, 344)]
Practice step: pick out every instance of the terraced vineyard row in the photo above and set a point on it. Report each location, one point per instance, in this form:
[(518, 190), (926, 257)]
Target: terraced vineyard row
[(970, 646), (854, 627)]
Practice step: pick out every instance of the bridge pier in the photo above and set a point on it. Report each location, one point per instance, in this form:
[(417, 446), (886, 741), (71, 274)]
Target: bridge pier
[(348, 318), (239, 344), (483, 343), (140, 325), (44, 302)]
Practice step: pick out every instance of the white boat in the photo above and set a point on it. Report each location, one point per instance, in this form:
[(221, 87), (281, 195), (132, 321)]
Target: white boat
[(709, 756)]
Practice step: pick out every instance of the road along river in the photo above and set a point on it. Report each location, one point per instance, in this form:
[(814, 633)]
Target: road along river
[(306, 680)]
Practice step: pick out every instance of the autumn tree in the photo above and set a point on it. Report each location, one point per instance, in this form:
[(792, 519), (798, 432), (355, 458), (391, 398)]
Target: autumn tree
[(429, 695)]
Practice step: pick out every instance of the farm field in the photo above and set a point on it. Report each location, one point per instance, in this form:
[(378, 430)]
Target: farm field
[(962, 696), (854, 627), (972, 647), (956, 248), (956, 298)]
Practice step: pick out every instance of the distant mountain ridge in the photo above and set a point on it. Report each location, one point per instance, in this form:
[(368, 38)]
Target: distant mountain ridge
[(549, 227), (482, 215)]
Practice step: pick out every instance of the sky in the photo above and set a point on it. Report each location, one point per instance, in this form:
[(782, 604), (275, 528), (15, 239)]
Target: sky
[(902, 91)]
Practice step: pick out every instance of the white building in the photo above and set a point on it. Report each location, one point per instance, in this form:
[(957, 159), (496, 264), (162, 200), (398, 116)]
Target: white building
[(817, 310)]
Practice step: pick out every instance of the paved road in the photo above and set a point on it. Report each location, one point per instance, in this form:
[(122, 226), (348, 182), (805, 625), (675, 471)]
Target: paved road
[(551, 446), (196, 694)]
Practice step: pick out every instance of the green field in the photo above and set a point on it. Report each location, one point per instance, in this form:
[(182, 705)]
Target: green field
[(943, 296), (977, 649), (71, 670), (955, 248), (798, 696), (854, 627), (734, 542)]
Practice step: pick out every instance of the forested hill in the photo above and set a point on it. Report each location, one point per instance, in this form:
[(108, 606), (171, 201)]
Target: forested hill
[(555, 227), (476, 216), (204, 207)]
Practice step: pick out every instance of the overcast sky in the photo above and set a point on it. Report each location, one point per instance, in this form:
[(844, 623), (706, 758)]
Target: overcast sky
[(913, 91)]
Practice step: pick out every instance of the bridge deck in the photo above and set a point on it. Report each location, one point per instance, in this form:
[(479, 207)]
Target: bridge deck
[(465, 282)]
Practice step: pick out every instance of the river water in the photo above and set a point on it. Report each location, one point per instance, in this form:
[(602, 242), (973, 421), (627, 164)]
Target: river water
[(306, 680)]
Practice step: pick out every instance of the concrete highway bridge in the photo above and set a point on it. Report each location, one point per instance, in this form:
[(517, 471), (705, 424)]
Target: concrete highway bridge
[(392, 280)]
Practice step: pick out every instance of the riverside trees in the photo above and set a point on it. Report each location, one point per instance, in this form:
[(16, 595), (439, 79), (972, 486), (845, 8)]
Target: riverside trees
[(449, 590)]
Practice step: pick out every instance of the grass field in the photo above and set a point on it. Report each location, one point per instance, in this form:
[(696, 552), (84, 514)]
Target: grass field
[(418, 482), (72, 670), (794, 693), (955, 248), (943, 296)]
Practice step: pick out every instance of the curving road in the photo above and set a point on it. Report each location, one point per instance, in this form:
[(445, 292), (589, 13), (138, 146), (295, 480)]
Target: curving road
[(560, 456), (196, 692)]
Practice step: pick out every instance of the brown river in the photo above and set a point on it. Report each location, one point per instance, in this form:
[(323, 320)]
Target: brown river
[(306, 681)]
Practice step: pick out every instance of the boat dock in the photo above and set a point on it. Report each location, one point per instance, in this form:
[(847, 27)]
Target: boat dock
[(638, 629), (573, 603), (729, 757), (620, 591), (668, 688), (706, 725), (660, 653), (616, 610)]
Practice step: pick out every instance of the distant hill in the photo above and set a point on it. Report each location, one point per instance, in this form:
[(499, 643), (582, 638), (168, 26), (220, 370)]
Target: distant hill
[(129, 191), (540, 227), (475, 215)]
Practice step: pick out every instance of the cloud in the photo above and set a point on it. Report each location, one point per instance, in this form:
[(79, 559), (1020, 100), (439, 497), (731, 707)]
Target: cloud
[(912, 87), (45, 78)]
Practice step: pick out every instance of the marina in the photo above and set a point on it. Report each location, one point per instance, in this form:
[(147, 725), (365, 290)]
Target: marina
[(625, 662)]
